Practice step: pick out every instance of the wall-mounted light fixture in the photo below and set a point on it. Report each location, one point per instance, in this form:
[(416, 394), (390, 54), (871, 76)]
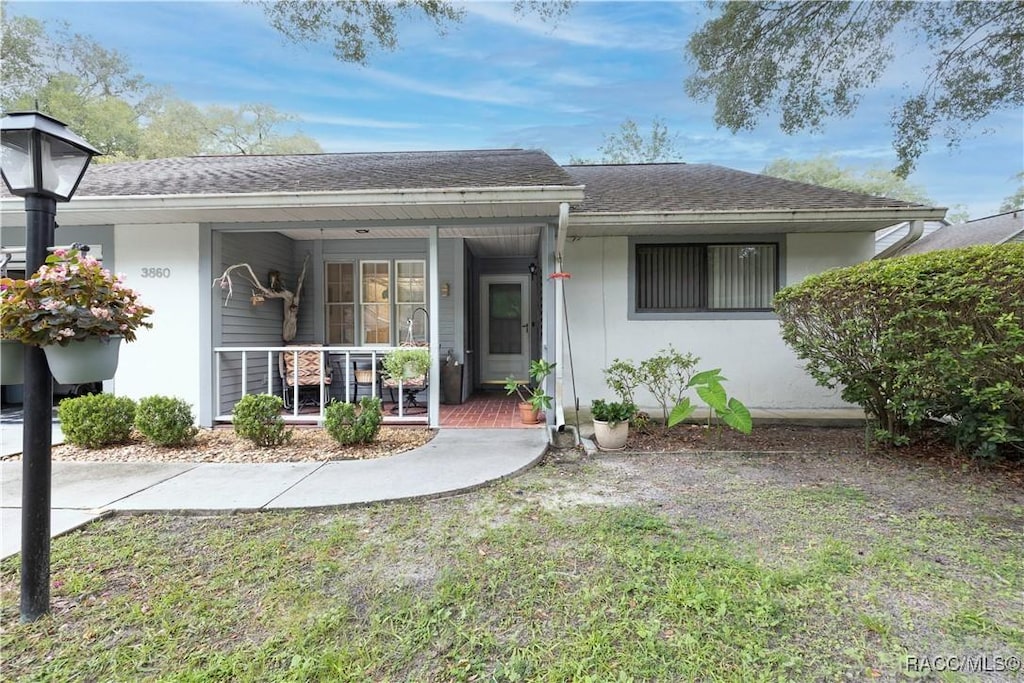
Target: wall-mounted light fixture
[(533, 269), (361, 231), (446, 289)]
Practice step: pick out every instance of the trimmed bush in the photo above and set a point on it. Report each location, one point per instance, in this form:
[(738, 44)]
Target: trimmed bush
[(166, 421), (257, 417), (346, 426), (96, 420), (936, 335)]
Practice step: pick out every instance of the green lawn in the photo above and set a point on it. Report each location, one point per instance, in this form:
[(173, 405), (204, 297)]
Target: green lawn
[(606, 570)]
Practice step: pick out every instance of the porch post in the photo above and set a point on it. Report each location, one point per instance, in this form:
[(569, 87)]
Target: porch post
[(434, 381)]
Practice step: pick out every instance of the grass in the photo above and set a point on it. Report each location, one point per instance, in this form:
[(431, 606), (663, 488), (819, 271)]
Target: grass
[(523, 582)]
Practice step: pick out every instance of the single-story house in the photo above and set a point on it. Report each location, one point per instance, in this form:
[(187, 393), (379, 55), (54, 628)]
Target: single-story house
[(1003, 228), (498, 257)]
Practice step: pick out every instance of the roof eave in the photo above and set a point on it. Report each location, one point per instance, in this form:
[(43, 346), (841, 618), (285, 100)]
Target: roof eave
[(896, 214)]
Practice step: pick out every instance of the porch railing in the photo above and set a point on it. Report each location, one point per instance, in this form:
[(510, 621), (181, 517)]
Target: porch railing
[(223, 355)]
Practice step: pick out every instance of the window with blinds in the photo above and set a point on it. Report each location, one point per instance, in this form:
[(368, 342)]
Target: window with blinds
[(672, 278)]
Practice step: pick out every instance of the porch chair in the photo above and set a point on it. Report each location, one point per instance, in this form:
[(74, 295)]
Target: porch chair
[(364, 377), (309, 363)]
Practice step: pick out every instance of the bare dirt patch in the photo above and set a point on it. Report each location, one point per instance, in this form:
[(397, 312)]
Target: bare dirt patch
[(223, 446)]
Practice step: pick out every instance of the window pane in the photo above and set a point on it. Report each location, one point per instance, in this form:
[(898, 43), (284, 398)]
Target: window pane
[(412, 282), (340, 283), (670, 277), (742, 276), (504, 332), (341, 324), (375, 282), (376, 323)]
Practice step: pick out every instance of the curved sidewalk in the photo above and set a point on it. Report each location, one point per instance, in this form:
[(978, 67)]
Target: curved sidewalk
[(455, 460)]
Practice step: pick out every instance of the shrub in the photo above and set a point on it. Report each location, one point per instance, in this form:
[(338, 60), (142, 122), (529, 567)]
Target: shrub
[(257, 417), (96, 420), (166, 421), (347, 426), (937, 335)]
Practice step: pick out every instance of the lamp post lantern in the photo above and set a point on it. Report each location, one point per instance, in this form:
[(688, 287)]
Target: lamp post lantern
[(42, 161)]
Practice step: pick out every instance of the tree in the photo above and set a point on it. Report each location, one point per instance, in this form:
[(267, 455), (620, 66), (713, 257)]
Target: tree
[(825, 171), (629, 146), (1015, 201), (98, 94), (355, 28), (809, 61)]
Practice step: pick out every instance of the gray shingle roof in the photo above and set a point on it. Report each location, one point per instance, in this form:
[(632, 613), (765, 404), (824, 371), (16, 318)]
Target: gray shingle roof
[(324, 172), (990, 230), (705, 187)]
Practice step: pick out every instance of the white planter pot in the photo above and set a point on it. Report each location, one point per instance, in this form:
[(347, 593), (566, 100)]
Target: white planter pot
[(90, 360), (12, 362), (611, 436)]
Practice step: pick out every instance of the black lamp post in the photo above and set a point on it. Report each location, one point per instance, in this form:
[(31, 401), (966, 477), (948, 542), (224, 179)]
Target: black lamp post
[(42, 161)]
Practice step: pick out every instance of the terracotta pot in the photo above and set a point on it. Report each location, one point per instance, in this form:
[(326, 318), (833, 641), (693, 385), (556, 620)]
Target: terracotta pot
[(611, 436), (528, 414)]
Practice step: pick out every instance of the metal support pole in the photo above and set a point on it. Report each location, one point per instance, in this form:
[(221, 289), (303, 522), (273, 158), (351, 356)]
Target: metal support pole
[(36, 433)]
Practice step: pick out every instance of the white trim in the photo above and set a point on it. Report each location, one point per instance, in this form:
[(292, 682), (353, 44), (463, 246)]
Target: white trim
[(434, 333), (896, 214)]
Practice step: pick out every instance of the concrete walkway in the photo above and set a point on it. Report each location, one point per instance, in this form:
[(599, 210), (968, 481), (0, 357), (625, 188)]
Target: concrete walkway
[(453, 461)]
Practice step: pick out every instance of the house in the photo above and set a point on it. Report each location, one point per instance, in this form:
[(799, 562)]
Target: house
[(1002, 228), (497, 256)]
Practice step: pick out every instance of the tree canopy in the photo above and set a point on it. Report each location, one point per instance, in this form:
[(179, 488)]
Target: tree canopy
[(1015, 201), (100, 96), (810, 61), (356, 28), (629, 145), (825, 171)]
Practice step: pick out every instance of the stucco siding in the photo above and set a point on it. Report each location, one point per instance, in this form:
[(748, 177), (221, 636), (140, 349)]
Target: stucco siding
[(762, 370), (162, 264)]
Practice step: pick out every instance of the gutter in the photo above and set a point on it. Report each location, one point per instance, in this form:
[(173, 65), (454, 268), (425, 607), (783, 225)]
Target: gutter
[(563, 229), (896, 213), (913, 234)]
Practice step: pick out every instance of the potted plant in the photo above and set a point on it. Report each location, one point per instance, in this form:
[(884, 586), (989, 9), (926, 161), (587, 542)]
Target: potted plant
[(533, 399), (12, 361), (611, 423), (76, 311), (406, 364)]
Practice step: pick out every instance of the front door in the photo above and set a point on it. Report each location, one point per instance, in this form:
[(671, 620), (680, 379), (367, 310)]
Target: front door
[(504, 328)]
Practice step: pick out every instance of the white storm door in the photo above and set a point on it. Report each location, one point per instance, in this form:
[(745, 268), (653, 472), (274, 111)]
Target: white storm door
[(504, 327)]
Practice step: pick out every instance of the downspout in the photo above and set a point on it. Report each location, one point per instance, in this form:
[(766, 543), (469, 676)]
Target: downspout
[(563, 227), (914, 234)]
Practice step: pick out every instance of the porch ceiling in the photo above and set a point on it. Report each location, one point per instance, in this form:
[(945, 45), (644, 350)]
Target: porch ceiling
[(490, 241)]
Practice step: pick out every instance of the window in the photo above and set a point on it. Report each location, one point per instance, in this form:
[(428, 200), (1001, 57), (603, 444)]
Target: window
[(673, 278), (340, 304), (368, 302)]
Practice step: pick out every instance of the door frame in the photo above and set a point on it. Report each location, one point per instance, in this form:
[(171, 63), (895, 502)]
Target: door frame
[(523, 373)]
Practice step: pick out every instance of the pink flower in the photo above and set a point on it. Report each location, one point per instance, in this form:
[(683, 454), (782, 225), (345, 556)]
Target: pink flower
[(60, 252), (52, 305), (101, 313), (66, 332)]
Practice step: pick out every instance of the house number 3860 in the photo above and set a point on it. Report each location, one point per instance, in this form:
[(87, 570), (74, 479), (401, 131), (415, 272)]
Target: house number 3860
[(156, 272)]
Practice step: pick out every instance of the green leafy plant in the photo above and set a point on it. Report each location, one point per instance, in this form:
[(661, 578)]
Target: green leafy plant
[(930, 336), (96, 420), (347, 426), (612, 413), (535, 396), (708, 385), (406, 363), (72, 297), (257, 417), (623, 377), (166, 421), (667, 376)]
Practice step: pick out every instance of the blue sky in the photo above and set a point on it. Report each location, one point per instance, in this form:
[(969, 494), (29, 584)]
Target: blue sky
[(496, 81)]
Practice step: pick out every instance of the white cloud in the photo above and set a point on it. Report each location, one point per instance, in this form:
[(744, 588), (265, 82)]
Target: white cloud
[(357, 122)]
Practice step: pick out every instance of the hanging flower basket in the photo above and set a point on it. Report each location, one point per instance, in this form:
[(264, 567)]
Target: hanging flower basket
[(12, 361), (93, 359)]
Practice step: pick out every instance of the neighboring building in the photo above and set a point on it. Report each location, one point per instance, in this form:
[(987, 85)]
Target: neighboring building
[(999, 229), (681, 254), (889, 237)]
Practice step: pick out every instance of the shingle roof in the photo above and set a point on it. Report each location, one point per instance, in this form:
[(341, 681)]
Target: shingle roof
[(990, 230), (704, 187), (324, 172)]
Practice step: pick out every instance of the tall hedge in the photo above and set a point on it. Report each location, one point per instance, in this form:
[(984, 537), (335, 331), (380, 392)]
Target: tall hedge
[(937, 335)]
